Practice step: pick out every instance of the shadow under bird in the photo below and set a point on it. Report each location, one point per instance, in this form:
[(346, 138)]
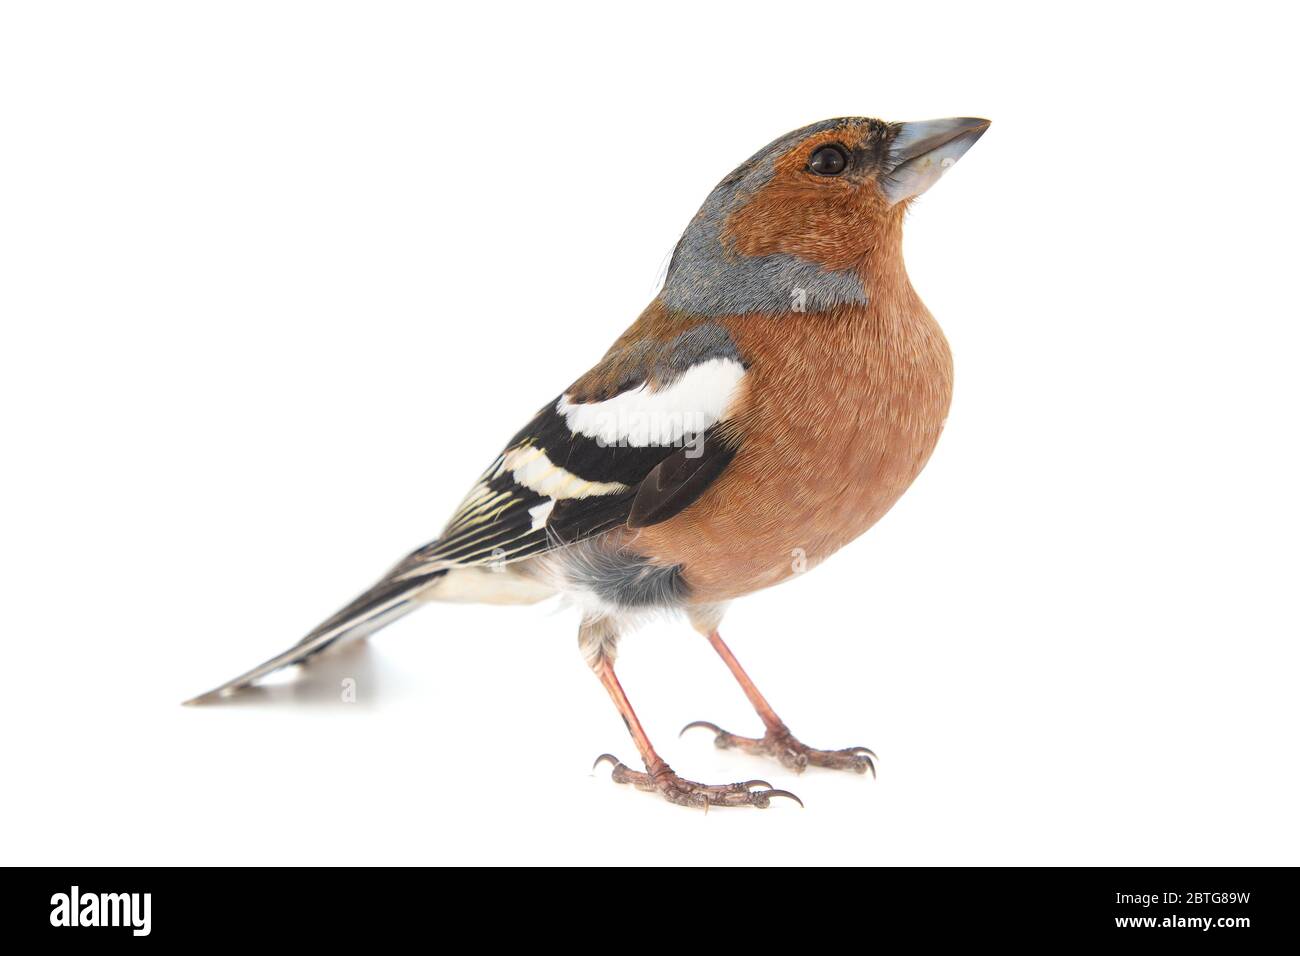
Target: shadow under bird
[(774, 400)]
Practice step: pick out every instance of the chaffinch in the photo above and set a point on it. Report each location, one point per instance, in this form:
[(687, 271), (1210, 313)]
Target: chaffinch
[(775, 399)]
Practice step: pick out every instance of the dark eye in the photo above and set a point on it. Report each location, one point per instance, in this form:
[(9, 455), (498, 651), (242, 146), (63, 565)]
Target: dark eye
[(828, 161)]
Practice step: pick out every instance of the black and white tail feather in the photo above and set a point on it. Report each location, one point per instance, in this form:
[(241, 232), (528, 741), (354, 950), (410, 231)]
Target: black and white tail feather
[(578, 470), (376, 608)]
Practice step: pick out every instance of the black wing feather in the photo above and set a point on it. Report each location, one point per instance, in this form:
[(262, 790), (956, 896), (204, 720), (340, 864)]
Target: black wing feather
[(638, 486), (678, 480)]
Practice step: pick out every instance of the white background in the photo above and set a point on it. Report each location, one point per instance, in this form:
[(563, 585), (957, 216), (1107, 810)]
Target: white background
[(277, 280)]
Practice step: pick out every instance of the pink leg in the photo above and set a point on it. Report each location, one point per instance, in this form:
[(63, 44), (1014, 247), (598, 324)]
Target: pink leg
[(778, 742)]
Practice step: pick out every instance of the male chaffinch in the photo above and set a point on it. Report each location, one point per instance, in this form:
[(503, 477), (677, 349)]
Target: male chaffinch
[(775, 399)]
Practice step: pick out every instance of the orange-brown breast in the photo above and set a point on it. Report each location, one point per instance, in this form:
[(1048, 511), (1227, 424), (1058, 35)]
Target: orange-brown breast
[(841, 410)]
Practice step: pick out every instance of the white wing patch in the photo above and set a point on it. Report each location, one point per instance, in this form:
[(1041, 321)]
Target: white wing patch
[(541, 512), (532, 469), (638, 418)]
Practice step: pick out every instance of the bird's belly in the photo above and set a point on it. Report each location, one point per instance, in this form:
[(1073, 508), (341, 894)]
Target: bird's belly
[(731, 547)]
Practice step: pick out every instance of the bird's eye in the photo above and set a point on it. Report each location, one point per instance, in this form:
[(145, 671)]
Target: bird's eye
[(828, 161)]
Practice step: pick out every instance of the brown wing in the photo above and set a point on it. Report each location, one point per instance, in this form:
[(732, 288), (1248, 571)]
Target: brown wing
[(679, 479)]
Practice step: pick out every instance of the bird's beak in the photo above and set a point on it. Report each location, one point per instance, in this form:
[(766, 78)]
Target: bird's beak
[(922, 152)]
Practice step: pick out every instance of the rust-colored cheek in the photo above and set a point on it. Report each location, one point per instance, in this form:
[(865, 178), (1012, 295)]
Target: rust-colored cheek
[(836, 223), (834, 227)]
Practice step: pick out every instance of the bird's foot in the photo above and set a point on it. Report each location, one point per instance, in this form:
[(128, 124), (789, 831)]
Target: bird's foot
[(688, 793), (782, 745)]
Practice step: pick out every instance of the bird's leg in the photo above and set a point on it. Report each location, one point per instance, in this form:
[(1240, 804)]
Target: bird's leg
[(778, 742), (658, 776)]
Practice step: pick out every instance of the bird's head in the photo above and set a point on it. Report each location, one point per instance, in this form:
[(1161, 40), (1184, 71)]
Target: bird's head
[(808, 212)]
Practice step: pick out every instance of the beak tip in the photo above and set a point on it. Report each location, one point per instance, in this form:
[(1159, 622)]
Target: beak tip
[(971, 124), (920, 153)]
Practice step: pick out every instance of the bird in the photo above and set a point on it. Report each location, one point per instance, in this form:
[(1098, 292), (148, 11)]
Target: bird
[(777, 396)]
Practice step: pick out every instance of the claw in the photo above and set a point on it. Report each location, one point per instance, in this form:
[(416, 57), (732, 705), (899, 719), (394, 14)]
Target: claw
[(865, 751), (701, 723), (756, 783), (769, 794), (613, 762)]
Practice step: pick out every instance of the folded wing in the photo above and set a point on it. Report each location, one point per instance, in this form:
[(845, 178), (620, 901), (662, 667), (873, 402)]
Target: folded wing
[(634, 441)]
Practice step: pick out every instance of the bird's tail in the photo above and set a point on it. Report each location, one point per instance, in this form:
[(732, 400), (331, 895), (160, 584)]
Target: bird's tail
[(391, 598)]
